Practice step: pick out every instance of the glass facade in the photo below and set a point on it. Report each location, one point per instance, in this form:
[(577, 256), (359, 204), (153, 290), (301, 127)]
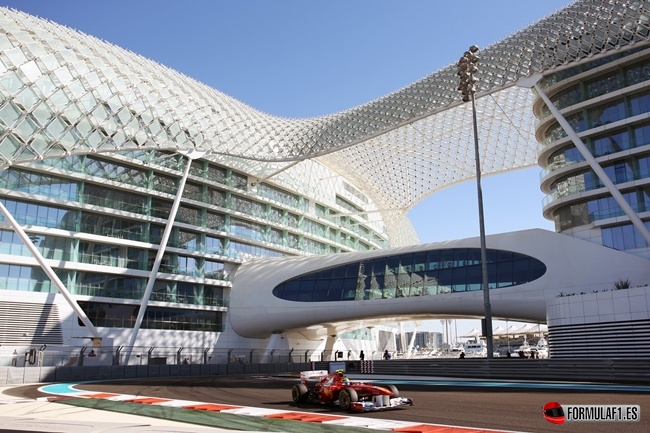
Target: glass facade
[(607, 102), (87, 148), (415, 274), (172, 319), (109, 213)]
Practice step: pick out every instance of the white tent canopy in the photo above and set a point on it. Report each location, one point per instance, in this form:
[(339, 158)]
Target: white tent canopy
[(473, 333), (525, 329)]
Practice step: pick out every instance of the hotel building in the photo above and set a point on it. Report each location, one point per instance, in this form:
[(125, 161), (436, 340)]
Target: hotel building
[(143, 209)]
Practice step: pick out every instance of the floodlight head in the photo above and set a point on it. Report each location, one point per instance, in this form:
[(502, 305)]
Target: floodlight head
[(473, 48)]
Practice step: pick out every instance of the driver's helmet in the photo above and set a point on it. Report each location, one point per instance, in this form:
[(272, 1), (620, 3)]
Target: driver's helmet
[(345, 381)]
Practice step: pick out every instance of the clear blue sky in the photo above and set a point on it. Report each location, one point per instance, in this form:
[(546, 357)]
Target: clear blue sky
[(304, 58)]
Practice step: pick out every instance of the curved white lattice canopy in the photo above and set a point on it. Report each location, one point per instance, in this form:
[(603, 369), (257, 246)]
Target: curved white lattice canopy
[(63, 92)]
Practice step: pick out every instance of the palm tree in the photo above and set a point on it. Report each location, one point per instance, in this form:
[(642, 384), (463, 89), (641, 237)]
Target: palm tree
[(622, 284)]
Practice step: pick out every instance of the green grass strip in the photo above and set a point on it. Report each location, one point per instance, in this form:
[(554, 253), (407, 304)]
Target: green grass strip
[(212, 419)]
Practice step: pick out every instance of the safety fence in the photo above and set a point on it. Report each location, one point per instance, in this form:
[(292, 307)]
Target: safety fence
[(608, 370), (612, 370), (19, 375), (79, 356), (69, 356)]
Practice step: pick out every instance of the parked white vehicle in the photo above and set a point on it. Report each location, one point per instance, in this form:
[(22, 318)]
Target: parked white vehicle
[(476, 349)]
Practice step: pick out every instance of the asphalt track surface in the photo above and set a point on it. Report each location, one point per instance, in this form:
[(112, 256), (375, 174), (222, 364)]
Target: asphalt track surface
[(493, 407)]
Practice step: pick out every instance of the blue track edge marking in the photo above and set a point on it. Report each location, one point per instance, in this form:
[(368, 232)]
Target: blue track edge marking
[(60, 389)]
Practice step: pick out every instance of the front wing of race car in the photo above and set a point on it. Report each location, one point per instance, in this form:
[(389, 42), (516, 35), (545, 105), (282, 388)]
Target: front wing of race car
[(380, 402)]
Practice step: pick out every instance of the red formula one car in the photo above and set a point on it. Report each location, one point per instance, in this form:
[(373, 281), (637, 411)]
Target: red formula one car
[(335, 388)]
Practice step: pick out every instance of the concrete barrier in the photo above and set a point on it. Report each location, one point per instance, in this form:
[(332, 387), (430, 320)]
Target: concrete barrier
[(611, 370)]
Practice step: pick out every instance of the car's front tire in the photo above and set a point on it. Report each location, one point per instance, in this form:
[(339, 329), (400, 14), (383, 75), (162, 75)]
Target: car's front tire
[(347, 397), (299, 393), (393, 389)]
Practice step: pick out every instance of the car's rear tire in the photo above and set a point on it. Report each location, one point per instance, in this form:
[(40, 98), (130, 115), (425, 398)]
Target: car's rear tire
[(347, 397), (393, 389), (299, 393)]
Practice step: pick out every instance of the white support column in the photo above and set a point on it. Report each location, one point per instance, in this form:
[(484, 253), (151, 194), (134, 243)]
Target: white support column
[(274, 342), (582, 148), (402, 339), (50, 272), (192, 155), (329, 347), (409, 352)]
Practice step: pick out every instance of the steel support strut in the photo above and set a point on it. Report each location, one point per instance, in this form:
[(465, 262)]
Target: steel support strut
[(49, 271), (587, 155), (192, 155)]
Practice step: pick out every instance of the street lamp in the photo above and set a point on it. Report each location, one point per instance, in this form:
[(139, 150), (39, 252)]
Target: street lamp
[(466, 70)]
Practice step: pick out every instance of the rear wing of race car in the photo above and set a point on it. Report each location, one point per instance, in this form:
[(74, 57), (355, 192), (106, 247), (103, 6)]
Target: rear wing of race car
[(305, 376)]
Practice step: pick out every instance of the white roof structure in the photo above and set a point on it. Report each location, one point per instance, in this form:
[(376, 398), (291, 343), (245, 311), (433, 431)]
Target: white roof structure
[(83, 95)]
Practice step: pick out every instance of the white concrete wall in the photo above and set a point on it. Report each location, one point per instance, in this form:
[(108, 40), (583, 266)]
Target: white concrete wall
[(609, 323)]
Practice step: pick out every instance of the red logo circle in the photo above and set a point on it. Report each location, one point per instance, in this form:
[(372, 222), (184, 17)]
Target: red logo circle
[(553, 412)]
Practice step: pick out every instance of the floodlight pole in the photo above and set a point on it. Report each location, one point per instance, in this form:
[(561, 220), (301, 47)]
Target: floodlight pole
[(466, 70)]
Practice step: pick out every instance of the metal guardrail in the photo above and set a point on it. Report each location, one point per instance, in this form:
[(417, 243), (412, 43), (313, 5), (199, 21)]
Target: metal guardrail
[(604, 370), (78, 356), (610, 370), (20, 375)]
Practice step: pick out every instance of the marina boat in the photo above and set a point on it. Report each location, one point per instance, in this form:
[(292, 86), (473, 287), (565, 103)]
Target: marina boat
[(476, 349)]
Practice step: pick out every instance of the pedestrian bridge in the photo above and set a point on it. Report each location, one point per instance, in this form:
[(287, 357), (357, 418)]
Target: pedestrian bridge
[(321, 296)]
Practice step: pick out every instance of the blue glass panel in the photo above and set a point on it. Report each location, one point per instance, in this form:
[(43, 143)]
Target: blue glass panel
[(459, 278), (352, 270), (608, 239), (321, 275), (338, 271), (462, 273), (321, 287), (474, 277), (642, 135), (537, 269), (460, 257), (607, 113), (291, 289), (419, 261), (349, 289), (335, 292), (473, 257), (639, 104), (306, 292), (445, 277), (434, 260), (407, 262), (520, 271), (628, 237), (321, 290), (446, 259), (393, 263)]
